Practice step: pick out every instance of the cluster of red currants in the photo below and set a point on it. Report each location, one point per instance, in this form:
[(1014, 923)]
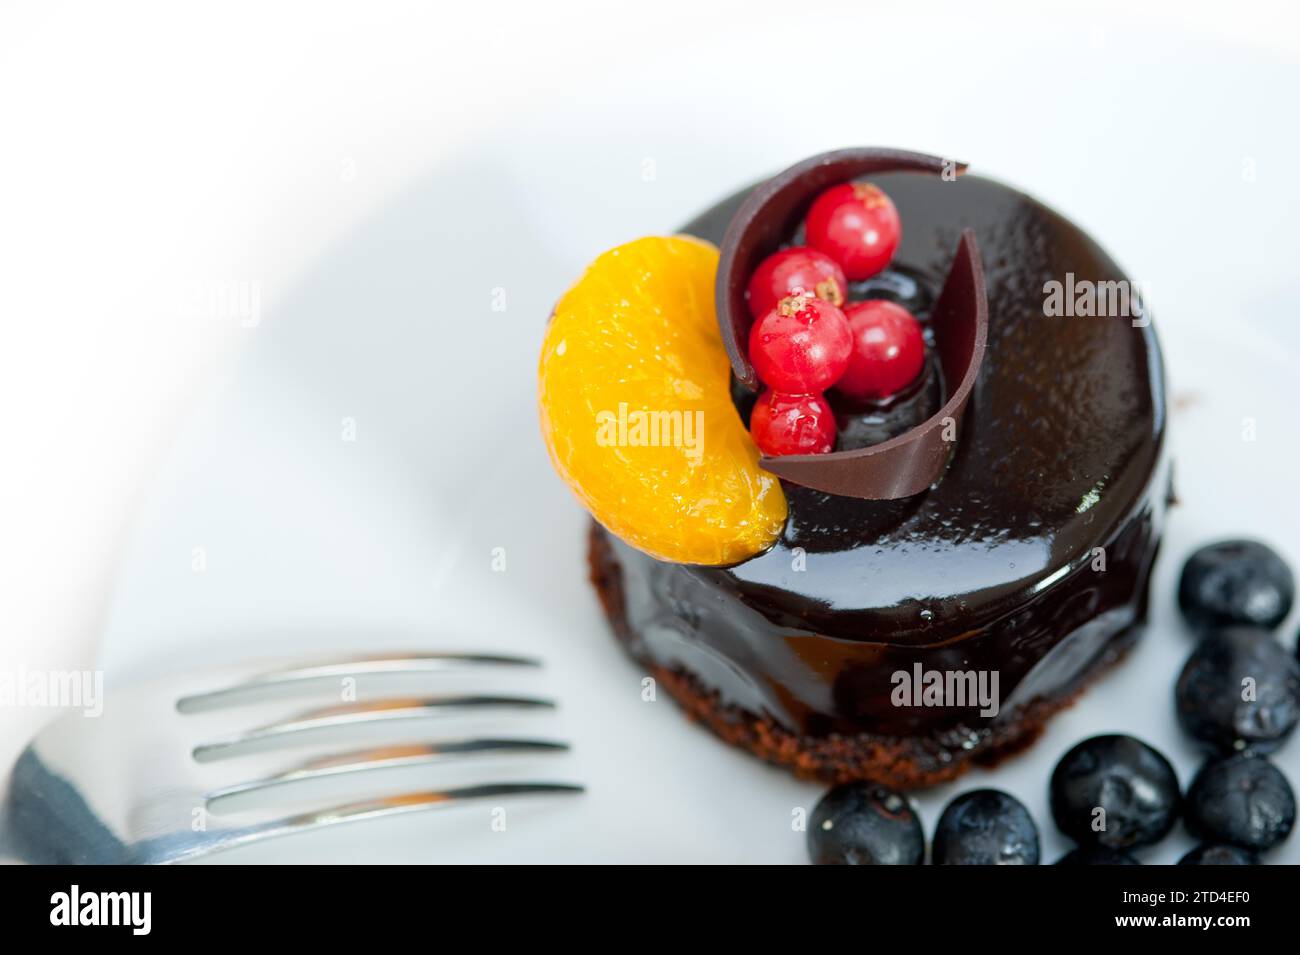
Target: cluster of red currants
[(806, 339)]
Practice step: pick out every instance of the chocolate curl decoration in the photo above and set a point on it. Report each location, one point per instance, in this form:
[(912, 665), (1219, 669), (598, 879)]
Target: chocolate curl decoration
[(770, 214), (910, 462)]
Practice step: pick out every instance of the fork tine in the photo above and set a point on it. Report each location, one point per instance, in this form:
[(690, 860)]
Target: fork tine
[(388, 757), (377, 809), (388, 663), (369, 712)]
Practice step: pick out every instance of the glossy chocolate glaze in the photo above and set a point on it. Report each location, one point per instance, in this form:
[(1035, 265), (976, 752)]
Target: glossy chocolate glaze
[(1061, 453)]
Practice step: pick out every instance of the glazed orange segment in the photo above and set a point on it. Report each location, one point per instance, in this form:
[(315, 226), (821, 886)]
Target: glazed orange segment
[(636, 410)]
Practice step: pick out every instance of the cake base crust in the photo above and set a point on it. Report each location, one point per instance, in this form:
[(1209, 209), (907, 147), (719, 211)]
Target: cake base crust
[(910, 762)]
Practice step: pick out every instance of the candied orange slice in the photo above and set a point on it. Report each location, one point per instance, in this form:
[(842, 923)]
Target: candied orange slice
[(634, 391)]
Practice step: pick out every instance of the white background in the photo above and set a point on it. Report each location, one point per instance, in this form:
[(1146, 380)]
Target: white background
[(375, 170)]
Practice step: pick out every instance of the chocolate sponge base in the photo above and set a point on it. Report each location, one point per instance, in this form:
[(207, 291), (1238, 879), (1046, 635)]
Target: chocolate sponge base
[(910, 762)]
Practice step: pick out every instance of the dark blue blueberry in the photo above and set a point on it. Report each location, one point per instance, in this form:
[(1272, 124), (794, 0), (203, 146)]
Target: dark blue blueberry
[(1240, 690), (1241, 800), (1219, 855), (865, 824), (1097, 855), (985, 827), (1114, 791), (1235, 581), (896, 284)]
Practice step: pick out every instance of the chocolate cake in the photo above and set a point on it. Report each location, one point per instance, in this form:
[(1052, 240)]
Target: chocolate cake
[(1022, 567)]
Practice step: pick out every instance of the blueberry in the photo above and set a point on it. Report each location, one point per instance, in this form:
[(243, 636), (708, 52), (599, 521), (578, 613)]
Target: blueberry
[(1236, 581), (985, 827), (1240, 690), (1097, 855), (896, 284), (1242, 800), (1219, 855), (865, 824), (1114, 791)]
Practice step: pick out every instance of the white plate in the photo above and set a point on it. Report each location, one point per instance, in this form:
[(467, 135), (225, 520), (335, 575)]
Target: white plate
[(310, 542)]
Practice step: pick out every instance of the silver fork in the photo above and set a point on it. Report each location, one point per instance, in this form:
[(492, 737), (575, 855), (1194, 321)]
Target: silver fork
[(195, 764)]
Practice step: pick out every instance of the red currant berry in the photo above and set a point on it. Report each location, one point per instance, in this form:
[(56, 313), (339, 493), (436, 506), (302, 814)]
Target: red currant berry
[(801, 346), (793, 272), (856, 225), (792, 424), (888, 350)]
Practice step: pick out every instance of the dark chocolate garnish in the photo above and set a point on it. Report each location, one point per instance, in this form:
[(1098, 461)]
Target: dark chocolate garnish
[(770, 214), (912, 461)]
